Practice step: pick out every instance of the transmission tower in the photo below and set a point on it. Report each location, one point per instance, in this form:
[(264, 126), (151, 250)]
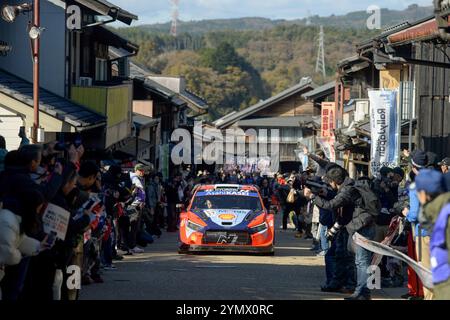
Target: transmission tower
[(175, 16), (308, 19), (320, 63)]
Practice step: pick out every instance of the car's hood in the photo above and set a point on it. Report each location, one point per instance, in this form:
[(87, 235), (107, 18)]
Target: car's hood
[(226, 217)]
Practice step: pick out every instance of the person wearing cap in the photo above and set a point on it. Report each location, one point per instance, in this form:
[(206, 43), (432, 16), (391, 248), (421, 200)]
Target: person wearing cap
[(436, 218), (444, 165), (137, 179), (429, 186), (418, 161)]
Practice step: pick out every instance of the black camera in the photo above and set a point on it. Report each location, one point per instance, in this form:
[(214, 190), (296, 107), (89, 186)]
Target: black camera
[(316, 187)]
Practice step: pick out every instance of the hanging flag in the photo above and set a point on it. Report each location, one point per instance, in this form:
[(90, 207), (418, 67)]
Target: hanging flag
[(384, 129)]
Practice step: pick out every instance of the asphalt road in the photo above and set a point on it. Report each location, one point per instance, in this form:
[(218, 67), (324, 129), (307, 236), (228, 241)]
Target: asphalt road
[(294, 273)]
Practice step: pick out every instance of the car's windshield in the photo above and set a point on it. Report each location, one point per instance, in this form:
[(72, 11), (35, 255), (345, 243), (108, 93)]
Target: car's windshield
[(203, 201)]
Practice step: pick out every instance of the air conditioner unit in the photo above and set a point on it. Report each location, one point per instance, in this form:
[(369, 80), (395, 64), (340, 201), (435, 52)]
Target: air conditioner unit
[(85, 82)]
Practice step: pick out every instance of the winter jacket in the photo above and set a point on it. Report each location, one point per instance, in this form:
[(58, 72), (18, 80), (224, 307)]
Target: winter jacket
[(139, 184), (13, 244), (431, 211), (387, 199), (414, 211), (3, 153), (349, 206), (327, 217), (344, 201), (14, 180), (439, 252)]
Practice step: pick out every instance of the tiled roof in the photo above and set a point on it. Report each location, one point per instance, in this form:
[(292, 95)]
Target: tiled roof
[(58, 107)]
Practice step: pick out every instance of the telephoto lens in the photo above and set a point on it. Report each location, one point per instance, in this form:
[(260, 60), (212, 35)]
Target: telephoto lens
[(331, 234)]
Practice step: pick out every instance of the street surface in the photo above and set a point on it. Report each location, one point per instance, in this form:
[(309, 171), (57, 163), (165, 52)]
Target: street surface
[(294, 273)]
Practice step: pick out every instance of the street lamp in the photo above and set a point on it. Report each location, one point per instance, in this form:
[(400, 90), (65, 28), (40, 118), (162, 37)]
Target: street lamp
[(35, 32), (9, 13)]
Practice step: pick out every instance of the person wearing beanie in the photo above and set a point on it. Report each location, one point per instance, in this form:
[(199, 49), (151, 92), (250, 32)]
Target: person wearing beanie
[(429, 186), (433, 161), (419, 159), (436, 219), (399, 174)]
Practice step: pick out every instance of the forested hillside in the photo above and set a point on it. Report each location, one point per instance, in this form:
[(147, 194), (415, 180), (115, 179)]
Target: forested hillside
[(235, 63)]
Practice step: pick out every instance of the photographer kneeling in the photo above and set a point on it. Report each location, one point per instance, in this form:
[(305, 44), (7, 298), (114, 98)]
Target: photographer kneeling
[(356, 208)]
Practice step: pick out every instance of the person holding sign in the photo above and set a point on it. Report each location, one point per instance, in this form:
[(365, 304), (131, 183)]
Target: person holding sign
[(18, 220)]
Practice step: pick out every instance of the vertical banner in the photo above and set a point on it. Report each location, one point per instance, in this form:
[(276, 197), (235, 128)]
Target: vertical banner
[(384, 129), (328, 119), (327, 139)]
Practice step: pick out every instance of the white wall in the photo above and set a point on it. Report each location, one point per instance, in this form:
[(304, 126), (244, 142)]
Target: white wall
[(9, 128), (19, 60)]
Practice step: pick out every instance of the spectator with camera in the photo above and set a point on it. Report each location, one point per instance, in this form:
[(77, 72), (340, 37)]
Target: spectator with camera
[(357, 209)]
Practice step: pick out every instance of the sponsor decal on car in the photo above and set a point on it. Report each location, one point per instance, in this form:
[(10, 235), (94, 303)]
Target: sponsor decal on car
[(230, 192), (227, 216)]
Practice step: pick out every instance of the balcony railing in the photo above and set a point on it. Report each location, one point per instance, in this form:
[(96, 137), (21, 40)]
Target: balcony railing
[(114, 102)]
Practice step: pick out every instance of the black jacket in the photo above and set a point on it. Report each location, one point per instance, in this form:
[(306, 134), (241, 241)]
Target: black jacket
[(14, 180), (350, 208), (343, 203)]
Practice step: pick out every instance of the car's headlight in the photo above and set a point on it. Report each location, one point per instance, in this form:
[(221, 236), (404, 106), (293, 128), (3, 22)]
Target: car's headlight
[(259, 228), (194, 226)]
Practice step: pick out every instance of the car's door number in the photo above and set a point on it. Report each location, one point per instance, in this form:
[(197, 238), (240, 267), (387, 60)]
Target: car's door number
[(228, 239)]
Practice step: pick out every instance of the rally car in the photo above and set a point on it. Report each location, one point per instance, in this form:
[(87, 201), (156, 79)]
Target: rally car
[(229, 218)]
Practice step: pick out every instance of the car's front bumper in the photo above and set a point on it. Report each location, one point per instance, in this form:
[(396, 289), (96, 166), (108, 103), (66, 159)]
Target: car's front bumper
[(226, 248)]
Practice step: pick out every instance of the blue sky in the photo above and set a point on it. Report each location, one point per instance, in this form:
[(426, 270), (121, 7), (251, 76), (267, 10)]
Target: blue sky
[(152, 11)]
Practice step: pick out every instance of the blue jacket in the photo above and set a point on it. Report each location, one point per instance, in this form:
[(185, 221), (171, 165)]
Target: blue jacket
[(414, 211), (440, 262)]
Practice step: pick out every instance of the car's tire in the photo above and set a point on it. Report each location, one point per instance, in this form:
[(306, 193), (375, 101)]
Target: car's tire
[(183, 250)]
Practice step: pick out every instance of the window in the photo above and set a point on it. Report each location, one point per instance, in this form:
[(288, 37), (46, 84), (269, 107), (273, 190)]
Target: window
[(291, 134), (101, 69), (86, 55)]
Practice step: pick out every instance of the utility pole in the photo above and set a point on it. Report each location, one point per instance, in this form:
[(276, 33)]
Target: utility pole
[(320, 62), (36, 53), (175, 16)]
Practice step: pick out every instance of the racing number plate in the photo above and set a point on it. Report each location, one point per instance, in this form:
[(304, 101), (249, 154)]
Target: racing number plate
[(230, 238)]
